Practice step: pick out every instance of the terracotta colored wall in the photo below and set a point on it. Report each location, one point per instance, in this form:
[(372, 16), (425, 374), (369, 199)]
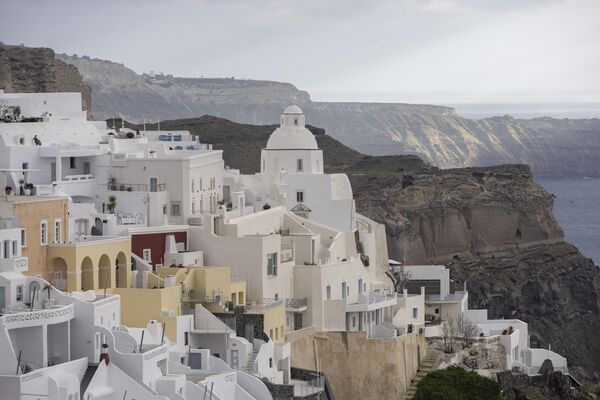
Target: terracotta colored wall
[(155, 242), (30, 214)]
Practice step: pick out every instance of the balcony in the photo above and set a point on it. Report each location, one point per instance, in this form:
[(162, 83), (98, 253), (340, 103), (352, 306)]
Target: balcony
[(296, 305), (263, 306), (17, 264), (70, 150), (136, 187), (372, 301), (23, 317), (73, 185)]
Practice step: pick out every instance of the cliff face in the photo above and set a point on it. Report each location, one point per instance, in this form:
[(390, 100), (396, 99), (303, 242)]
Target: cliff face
[(26, 69), (495, 230), (551, 147)]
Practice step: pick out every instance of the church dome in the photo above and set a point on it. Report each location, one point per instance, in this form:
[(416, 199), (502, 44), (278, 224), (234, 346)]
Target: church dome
[(292, 133)]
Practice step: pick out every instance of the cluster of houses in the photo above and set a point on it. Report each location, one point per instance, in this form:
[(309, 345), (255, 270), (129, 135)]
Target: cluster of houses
[(136, 265)]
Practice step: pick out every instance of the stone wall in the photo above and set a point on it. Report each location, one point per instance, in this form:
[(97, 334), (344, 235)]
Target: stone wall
[(358, 367)]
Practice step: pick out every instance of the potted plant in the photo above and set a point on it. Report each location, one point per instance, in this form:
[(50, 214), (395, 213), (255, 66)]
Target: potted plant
[(8, 190), (112, 204), (37, 141), (29, 188)]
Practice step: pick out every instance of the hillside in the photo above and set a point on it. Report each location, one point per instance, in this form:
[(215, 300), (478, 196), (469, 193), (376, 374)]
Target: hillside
[(551, 147), (23, 69), (493, 226)]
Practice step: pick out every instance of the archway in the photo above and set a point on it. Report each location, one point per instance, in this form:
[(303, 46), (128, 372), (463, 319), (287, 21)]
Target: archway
[(122, 275), (104, 272), (87, 274), (58, 273)]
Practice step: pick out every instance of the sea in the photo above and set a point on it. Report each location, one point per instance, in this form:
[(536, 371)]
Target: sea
[(577, 210)]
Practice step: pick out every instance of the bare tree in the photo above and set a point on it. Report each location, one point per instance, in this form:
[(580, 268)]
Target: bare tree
[(448, 331), (466, 329), (399, 277)]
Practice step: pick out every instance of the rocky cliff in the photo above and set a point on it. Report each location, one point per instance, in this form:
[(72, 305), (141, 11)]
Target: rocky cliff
[(26, 69), (551, 147), (493, 226)]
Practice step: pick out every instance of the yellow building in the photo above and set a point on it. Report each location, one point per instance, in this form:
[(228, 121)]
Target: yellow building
[(43, 220), (140, 305), (93, 263), (213, 287)]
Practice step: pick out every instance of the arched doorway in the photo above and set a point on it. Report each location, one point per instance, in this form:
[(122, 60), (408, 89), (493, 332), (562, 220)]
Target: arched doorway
[(87, 274), (122, 275), (104, 272), (58, 273)]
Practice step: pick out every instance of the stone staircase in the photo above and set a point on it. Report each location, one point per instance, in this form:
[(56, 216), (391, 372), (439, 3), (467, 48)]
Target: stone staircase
[(249, 367), (427, 365), (87, 377)]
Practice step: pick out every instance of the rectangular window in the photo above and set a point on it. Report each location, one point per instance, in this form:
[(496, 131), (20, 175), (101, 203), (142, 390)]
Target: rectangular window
[(23, 237), (192, 185), (343, 290), (353, 321), (328, 292), (175, 209), (164, 207), (25, 165), (147, 255), (57, 231), (6, 249), (360, 286), (44, 232), (415, 313), (15, 248), (300, 197), (20, 293), (299, 165), (272, 264), (72, 164)]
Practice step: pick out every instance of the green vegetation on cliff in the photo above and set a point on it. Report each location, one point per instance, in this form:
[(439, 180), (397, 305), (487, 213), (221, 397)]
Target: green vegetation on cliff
[(457, 384)]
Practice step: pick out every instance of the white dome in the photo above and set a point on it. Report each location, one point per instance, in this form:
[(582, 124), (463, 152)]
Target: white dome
[(293, 109), (292, 134)]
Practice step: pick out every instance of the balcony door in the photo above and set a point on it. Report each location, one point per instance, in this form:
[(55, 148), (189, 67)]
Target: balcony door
[(53, 172), (154, 184)]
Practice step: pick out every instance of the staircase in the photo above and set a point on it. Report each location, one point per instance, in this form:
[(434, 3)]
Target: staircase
[(249, 368), (427, 365), (87, 377)]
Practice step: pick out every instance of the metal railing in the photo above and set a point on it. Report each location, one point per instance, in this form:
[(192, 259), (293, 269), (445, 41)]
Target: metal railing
[(136, 187)]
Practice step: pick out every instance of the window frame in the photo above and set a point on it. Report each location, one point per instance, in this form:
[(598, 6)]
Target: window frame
[(178, 205), (300, 196), (23, 237), (58, 230), (299, 165), (44, 232)]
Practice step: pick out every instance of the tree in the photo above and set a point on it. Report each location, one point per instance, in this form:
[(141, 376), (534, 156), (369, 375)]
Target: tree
[(456, 383), (399, 277), (112, 204), (448, 332), (466, 330)]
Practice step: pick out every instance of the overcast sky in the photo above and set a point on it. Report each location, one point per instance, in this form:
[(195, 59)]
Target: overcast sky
[(397, 50)]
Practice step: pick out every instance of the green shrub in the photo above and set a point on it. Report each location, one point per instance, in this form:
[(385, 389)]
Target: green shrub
[(457, 384)]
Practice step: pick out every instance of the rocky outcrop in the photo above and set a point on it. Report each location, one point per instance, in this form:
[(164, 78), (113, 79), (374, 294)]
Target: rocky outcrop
[(551, 147), (548, 385), (26, 69)]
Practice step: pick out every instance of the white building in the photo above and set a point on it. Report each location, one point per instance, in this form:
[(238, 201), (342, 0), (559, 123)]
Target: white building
[(443, 304)]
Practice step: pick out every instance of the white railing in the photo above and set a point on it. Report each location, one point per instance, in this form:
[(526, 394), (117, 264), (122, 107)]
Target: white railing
[(71, 178)]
